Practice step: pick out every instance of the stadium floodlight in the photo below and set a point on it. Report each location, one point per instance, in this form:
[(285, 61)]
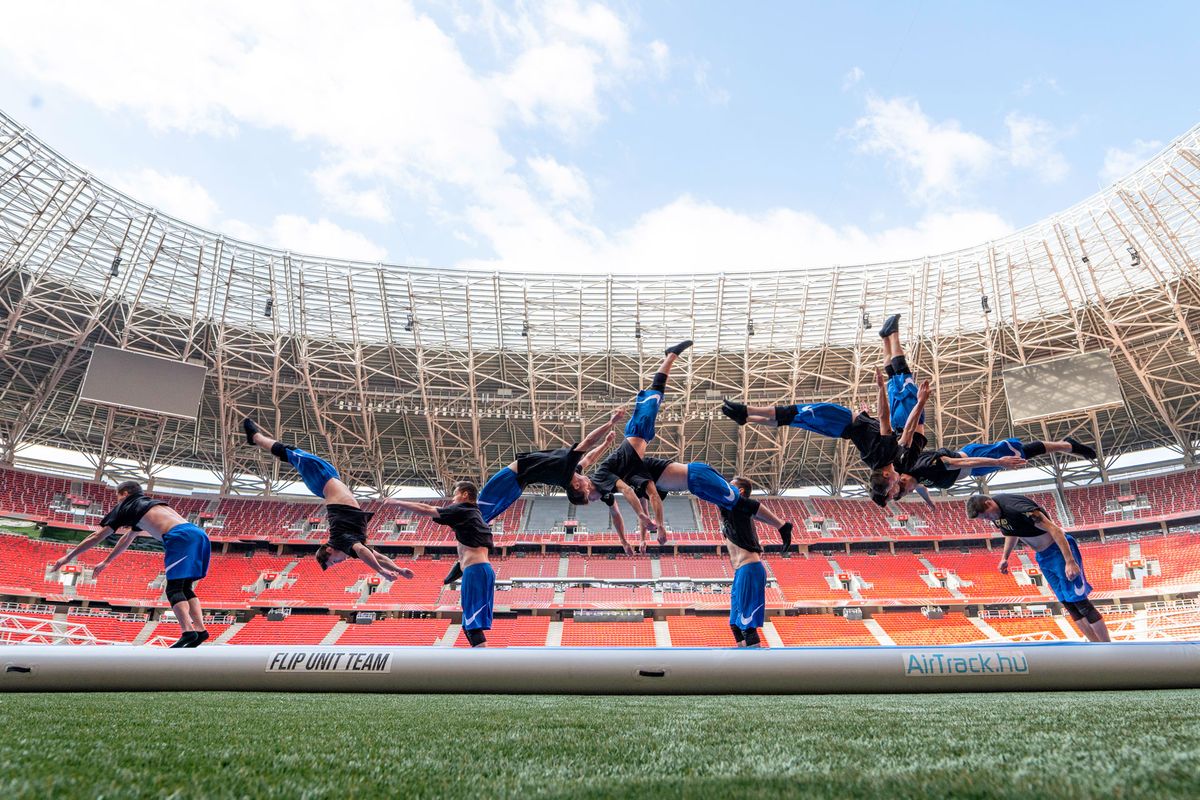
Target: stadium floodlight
[(269, 307), (1135, 258), (866, 320), (750, 328), (987, 309), (116, 267), (525, 329), (408, 326)]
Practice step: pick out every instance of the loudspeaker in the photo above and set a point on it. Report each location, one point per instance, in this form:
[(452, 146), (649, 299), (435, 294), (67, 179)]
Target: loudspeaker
[(276, 615)]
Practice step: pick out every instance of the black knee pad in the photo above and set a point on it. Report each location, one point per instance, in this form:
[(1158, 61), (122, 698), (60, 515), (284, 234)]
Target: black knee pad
[(475, 637), (899, 365), (1034, 449), (737, 634), (751, 636), (784, 415), (1088, 610), (177, 590), (659, 384), (746, 505), (279, 450)]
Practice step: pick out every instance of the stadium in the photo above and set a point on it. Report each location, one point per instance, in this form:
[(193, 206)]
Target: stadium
[(411, 379)]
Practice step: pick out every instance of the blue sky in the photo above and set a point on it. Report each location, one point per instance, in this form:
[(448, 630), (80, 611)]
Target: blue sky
[(615, 137)]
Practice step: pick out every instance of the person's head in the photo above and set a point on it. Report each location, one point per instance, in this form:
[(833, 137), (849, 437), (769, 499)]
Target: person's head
[(881, 483), (980, 506), (903, 485), (328, 555), (743, 484), (465, 492), (127, 489), (580, 491)]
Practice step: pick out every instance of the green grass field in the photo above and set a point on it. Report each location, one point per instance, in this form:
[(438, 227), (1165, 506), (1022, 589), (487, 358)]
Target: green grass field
[(1063, 745)]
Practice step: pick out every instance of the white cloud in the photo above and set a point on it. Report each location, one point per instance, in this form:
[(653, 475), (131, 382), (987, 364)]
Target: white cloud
[(941, 155), (1119, 162), (852, 78), (715, 94), (322, 238), (1033, 145), (564, 184), (177, 195), (660, 57), (688, 236)]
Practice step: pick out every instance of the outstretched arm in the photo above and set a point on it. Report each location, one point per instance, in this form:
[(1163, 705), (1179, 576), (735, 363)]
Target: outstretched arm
[(885, 408), (88, 543), (424, 509), (595, 437), (924, 492), (635, 503), (1005, 462), (913, 423), (122, 545), (368, 557), (1009, 543), (594, 454)]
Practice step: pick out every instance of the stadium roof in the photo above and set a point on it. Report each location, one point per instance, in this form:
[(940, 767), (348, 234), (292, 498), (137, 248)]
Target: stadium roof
[(418, 375)]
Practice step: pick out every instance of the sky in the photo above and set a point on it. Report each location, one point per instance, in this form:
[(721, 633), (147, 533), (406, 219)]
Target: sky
[(605, 137)]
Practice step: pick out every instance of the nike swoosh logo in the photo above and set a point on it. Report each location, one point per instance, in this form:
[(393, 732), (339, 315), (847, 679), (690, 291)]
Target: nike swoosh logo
[(747, 620), (472, 618), (653, 397), (805, 409), (1015, 451), (732, 494), (177, 563)]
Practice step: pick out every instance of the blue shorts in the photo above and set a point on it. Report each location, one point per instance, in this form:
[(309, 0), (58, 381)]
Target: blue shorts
[(1000, 449), (314, 471), (902, 399), (827, 419), (478, 593), (185, 552), (706, 483), (1054, 567), (748, 598), (501, 491), (645, 414)]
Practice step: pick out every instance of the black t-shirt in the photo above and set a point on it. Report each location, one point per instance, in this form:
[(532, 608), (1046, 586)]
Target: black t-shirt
[(347, 527), (875, 449), (1014, 515), (740, 529), (552, 467), (469, 528), (908, 456), (928, 469), (622, 464), (129, 512), (654, 468)]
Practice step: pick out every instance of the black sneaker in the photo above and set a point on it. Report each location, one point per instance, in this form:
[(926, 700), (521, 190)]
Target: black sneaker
[(251, 428), (890, 326), (198, 639), (185, 640), (679, 348), (735, 411), (1080, 449)]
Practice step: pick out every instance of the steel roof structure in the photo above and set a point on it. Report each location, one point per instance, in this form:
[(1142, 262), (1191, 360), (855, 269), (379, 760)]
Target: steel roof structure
[(404, 375)]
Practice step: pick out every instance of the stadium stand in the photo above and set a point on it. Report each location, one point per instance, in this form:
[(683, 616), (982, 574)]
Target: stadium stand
[(396, 631), (514, 632), (822, 630), (911, 627), (293, 629), (691, 631), (608, 634)]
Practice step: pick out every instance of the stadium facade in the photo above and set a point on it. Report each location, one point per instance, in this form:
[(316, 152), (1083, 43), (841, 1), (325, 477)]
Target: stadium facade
[(409, 375)]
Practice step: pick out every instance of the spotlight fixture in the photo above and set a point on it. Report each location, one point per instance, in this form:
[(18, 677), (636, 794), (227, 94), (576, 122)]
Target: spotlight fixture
[(269, 307), (1087, 260), (525, 329), (116, 267), (984, 302), (750, 328), (637, 330), (1135, 258), (866, 320), (408, 326)]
